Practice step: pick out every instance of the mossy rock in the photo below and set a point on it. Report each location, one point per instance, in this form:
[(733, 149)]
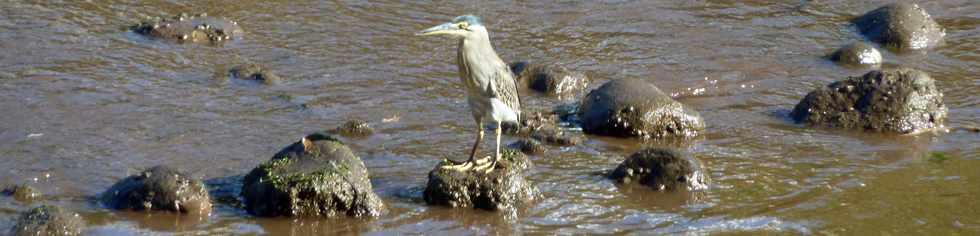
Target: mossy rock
[(662, 169), (317, 176), (254, 72), (160, 188), (48, 220), (898, 100), (503, 188), (902, 26), (636, 108), (186, 28), (857, 54)]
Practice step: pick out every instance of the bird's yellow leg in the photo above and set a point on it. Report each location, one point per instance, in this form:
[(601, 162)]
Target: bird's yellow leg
[(487, 167), (472, 162)]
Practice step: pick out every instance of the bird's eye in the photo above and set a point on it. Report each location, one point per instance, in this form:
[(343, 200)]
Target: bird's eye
[(464, 25)]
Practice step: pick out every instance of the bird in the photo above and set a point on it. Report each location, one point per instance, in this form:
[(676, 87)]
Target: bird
[(489, 83)]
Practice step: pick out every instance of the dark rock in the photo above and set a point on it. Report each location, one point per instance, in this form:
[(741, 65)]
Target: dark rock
[(900, 100), (22, 193), (902, 26), (635, 108), (48, 220), (354, 128), (254, 72), (186, 28), (544, 127), (529, 146), (662, 169), (159, 188), (504, 187), (857, 54), (317, 176), (552, 80)]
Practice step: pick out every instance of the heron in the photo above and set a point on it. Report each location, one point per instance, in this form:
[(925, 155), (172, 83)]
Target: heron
[(490, 87)]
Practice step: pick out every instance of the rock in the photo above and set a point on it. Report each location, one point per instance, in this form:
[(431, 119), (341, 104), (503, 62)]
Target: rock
[(48, 220), (902, 26), (857, 54), (544, 127), (900, 100), (254, 72), (552, 80), (22, 193), (529, 146), (317, 176), (160, 188), (185, 28), (504, 188), (635, 108), (662, 169), (354, 128)]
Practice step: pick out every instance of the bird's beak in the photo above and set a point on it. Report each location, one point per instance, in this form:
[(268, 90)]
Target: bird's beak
[(446, 28)]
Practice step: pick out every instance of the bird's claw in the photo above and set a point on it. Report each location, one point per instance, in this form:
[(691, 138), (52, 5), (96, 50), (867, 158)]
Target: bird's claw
[(484, 164)]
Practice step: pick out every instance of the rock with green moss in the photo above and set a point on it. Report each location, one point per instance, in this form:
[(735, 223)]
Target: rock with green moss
[(503, 188), (898, 100), (48, 220), (317, 176), (636, 108), (161, 188), (188, 28), (662, 169), (22, 193), (254, 72), (549, 79)]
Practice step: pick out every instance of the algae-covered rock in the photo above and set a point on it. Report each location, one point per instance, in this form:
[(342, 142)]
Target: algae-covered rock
[(549, 79), (187, 28), (22, 193), (662, 169), (899, 100), (503, 188), (635, 108), (159, 188), (857, 54), (354, 128), (48, 220), (317, 176), (254, 72), (901, 25)]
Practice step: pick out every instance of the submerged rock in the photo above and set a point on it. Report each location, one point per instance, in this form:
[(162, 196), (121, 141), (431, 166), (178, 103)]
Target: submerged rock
[(159, 188), (186, 28), (901, 25), (503, 188), (22, 193), (899, 100), (857, 54), (529, 146), (317, 176), (48, 220), (254, 72), (544, 127), (635, 108), (354, 128), (662, 169), (552, 80)]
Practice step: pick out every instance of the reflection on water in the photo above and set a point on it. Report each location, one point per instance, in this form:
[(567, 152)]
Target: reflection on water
[(86, 103)]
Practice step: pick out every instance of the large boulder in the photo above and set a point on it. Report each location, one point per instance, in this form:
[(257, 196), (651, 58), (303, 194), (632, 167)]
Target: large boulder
[(635, 108), (187, 28), (317, 176), (902, 25), (549, 79), (662, 169), (898, 100), (857, 54), (254, 72), (48, 220), (503, 188), (159, 188)]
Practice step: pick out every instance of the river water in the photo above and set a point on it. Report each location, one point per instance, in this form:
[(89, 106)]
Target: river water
[(85, 103)]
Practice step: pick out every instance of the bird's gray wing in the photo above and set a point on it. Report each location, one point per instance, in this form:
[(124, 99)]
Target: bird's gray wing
[(505, 88)]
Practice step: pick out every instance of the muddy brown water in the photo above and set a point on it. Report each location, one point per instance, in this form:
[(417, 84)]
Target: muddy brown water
[(85, 103)]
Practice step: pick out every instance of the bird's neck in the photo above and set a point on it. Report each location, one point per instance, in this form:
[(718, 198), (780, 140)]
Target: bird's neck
[(478, 48)]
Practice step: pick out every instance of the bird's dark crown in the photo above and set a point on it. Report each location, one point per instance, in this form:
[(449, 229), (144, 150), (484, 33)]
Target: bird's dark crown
[(469, 19)]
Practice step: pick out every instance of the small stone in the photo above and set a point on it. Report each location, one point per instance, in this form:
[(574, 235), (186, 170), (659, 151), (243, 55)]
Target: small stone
[(857, 54), (529, 146), (255, 72), (22, 193), (48, 220), (355, 128)]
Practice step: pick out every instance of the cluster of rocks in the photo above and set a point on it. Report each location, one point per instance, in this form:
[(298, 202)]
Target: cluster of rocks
[(901, 26), (190, 28)]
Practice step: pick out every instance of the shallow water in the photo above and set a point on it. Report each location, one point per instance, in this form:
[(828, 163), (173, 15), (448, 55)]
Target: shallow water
[(86, 103)]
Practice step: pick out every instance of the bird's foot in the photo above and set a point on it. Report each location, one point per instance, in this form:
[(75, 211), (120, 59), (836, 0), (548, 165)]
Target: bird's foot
[(483, 164), (486, 166)]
